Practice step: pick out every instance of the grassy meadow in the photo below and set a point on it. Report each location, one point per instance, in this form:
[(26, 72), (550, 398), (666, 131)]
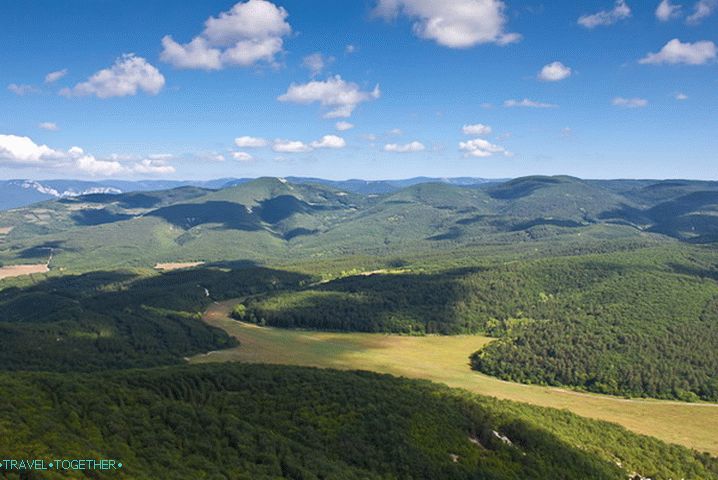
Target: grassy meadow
[(445, 359)]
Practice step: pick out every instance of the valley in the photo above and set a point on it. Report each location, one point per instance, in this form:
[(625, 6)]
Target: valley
[(573, 312), (444, 359)]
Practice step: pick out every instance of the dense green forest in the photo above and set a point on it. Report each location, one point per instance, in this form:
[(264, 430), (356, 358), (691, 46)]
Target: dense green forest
[(121, 319), (641, 322), (266, 422), (271, 220)]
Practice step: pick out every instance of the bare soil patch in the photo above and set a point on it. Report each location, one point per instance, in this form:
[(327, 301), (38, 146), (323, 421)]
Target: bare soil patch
[(166, 267), (20, 270), (5, 230)]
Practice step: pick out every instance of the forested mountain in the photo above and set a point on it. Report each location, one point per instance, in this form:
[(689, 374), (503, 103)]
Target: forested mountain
[(267, 422), (24, 192), (275, 219)]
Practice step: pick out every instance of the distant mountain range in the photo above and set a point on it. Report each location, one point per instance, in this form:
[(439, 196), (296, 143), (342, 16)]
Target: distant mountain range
[(23, 192), (290, 219)]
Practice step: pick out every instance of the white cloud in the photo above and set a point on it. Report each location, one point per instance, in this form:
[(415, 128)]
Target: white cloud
[(21, 89), (395, 132), (681, 96), (677, 52), (629, 102), (290, 146), (340, 96), (23, 151), (249, 33), (406, 148), (90, 165), (316, 62), (16, 150), (476, 129), (50, 126), (242, 156), (481, 148), (620, 11), (667, 11), (454, 24), (128, 75), (526, 103), (350, 48), (250, 142), (343, 126), (329, 141), (153, 167), (701, 10), (554, 72), (55, 76), (196, 54)]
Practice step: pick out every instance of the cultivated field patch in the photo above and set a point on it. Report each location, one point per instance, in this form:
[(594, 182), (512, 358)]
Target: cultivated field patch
[(20, 270), (166, 267)]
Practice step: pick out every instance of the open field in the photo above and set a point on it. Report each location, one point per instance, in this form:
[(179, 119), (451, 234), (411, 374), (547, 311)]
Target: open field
[(166, 267), (446, 360), (6, 230), (20, 270)]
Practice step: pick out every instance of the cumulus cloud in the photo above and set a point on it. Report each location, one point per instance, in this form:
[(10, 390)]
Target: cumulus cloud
[(681, 96), (677, 52), (92, 166), (297, 146), (128, 75), (343, 126), (554, 72), (701, 10), (339, 96), (406, 148), (197, 54), (476, 129), (22, 89), (667, 11), (153, 166), (21, 151), (249, 33), (629, 102), (455, 24), (481, 148), (250, 142), (329, 141), (619, 12), (50, 126), (526, 103), (242, 156), (17, 150), (53, 77), (290, 146)]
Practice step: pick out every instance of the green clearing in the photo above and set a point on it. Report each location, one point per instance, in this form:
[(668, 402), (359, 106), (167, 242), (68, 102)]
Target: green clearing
[(445, 359)]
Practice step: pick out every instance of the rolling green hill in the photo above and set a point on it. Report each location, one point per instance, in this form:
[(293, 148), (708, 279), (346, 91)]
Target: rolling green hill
[(272, 220)]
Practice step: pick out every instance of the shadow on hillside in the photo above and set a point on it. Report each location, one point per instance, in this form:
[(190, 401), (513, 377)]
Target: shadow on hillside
[(396, 303), (91, 217), (43, 250), (231, 215)]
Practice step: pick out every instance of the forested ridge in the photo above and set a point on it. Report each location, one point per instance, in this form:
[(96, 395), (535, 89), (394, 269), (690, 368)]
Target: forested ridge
[(641, 323), (266, 422), (112, 320)]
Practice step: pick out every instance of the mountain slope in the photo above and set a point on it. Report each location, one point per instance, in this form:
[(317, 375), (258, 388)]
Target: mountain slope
[(272, 218), (267, 422)]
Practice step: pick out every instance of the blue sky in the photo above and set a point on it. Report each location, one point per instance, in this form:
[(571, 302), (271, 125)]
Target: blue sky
[(163, 89)]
